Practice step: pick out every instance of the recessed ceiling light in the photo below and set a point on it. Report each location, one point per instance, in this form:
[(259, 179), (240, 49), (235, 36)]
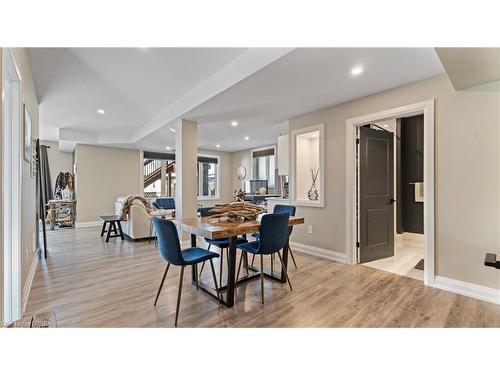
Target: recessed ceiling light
[(386, 126), (101, 111), (247, 138), (234, 123), (172, 130), (218, 146), (356, 71), (167, 148)]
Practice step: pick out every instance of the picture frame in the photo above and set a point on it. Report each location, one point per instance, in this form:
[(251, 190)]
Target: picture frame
[(27, 142)]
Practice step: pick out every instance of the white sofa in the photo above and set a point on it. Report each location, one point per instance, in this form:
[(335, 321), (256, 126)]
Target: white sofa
[(137, 225)]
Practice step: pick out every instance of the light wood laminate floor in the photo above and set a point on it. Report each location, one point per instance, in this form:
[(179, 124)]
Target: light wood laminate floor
[(90, 283)]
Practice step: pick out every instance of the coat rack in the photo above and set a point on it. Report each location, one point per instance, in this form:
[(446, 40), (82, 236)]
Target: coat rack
[(41, 207)]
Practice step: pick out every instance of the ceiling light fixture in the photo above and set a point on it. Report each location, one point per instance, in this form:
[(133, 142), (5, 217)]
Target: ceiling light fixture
[(234, 123), (247, 138), (172, 130), (167, 148), (386, 126), (218, 146), (101, 111), (356, 71)]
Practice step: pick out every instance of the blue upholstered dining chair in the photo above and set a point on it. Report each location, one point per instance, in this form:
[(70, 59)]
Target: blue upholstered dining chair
[(170, 250), (272, 238), (161, 204), (222, 243), (165, 203), (277, 209)]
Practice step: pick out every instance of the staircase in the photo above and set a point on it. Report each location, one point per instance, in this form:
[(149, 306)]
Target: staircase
[(152, 170)]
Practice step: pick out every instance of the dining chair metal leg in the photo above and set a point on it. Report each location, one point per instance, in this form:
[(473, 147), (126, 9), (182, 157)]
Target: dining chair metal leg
[(221, 265), (179, 295), (262, 278), (293, 258), (284, 269), (245, 262), (239, 266), (203, 264), (197, 276), (253, 258), (215, 280), (161, 284), (201, 269), (272, 264)]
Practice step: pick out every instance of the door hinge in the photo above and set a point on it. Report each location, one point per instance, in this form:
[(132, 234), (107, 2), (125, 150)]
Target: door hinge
[(357, 243), (357, 141)]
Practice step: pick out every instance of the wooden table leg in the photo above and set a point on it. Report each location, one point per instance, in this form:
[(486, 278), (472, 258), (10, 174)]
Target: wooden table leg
[(52, 218), (231, 260), (285, 260)]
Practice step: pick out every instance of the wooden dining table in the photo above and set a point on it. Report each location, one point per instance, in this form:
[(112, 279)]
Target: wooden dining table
[(217, 228)]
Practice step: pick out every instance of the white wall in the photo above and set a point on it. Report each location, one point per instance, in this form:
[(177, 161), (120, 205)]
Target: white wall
[(308, 158)]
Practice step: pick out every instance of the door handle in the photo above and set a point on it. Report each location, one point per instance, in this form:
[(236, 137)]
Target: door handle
[(391, 201)]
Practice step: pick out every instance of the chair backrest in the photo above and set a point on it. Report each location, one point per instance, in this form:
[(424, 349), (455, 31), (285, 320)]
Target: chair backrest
[(166, 203), (285, 208), (273, 232), (205, 211), (168, 241)]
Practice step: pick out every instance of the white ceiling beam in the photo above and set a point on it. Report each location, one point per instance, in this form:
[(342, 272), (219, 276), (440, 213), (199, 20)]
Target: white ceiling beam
[(243, 66)]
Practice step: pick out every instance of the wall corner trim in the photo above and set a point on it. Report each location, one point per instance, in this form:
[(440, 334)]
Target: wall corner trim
[(480, 292), (319, 252), (29, 279)]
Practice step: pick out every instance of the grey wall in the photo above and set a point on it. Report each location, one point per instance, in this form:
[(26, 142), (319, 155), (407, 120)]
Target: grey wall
[(412, 170), (103, 174), (467, 174)]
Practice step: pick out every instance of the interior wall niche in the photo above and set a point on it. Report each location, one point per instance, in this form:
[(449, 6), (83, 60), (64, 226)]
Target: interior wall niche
[(308, 166)]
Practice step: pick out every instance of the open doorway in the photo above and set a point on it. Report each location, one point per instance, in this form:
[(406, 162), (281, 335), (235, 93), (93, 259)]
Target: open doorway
[(371, 211), (390, 195), (11, 184)]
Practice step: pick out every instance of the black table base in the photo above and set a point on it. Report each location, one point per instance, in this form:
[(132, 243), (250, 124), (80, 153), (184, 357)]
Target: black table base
[(229, 288)]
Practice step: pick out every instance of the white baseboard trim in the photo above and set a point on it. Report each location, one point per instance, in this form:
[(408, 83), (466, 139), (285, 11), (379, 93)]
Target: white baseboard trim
[(88, 224), (29, 279), (467, 289), (319, 252)]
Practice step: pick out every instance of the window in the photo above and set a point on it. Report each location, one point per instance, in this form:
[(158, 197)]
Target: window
[(208, 177), (263, 169)]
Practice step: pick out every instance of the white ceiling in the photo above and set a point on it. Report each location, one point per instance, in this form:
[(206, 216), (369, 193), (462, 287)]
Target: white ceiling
[(135, 85), (131, 84)]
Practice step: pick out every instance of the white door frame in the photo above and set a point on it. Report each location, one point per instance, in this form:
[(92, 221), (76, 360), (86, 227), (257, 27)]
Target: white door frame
[(427, 109), (12, 159)]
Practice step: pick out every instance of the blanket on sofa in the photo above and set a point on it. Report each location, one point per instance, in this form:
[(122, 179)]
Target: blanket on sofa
[(137, 200)]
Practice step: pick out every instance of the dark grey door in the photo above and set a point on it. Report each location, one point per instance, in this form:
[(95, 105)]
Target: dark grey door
[(376, 194)]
